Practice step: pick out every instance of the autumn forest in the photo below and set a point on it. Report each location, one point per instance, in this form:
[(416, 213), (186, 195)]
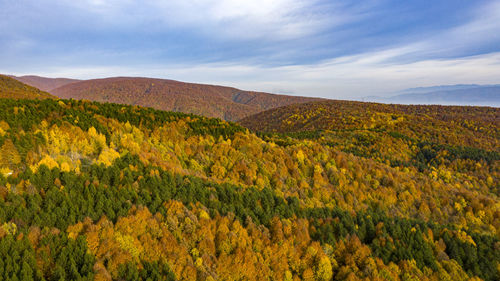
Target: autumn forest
[(326, 190)]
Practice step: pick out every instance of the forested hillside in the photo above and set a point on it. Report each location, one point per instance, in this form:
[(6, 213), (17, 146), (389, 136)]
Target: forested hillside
[(13, 89), (44, 83), (348, 191), (207, 100), (439, 137)]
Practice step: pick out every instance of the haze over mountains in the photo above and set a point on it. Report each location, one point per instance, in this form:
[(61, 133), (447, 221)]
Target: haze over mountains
[(232, 104), (479, 95)]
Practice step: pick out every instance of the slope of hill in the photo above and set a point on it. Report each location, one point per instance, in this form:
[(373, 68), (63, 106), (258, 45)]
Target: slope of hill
[(434, 139), (451, 95), (92, 191), (207, 100), (11, 88), (351, 115), (43, 83)]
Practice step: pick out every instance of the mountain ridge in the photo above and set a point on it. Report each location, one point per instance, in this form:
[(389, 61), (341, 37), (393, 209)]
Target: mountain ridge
[(424, 122), (208, 100), (44, 83), (103, 191), (12, 88)]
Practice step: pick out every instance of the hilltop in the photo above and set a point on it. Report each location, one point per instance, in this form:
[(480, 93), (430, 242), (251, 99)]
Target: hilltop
[(212, 101), (338, 115), (11, 88), (44, 83), (433, 139)]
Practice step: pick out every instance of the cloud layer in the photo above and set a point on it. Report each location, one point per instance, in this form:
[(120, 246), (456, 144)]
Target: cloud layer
[(336, 49)]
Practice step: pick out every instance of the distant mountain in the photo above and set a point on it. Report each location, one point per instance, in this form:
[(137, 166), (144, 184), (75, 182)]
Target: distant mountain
[(212, 101), (446, 95), (422, 90), (13, 89), (44, 83)]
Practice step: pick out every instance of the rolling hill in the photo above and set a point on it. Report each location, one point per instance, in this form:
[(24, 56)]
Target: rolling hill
[(352, 115), (435, 123), (207, 100), (43, 83), (398, 135), (356, 191), (11, 88)]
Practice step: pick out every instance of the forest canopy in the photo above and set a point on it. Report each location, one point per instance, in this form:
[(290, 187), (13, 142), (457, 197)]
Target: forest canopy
[(100, 191)]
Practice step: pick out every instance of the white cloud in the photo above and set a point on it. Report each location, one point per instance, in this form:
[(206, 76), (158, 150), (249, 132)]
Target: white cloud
[(231, 19), (486, 24), (346, 77), (481, 30), (434, 60)]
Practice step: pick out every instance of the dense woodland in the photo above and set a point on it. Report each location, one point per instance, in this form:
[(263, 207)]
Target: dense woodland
[(98, 191), (208, 100), (13, 89)]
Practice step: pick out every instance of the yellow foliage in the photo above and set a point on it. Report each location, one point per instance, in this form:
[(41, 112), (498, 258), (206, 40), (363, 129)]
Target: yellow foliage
[(194, 165), (490, 181), (65, 167), (199, 263), (10, 228), (463, 236), (204, 215), (9, 154), (127, 243), (107, 156), (47, 161), (324, 271), (218, 171), (92, 132), (4, 125), (5, 171), (300, 156), (74, 230), (308, 275), (127, 141)]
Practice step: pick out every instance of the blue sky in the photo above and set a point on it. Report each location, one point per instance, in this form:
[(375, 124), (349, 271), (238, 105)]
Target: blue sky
[(334, 49)]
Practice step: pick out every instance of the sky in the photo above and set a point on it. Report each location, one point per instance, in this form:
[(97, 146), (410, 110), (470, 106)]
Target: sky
[(334, 49)]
